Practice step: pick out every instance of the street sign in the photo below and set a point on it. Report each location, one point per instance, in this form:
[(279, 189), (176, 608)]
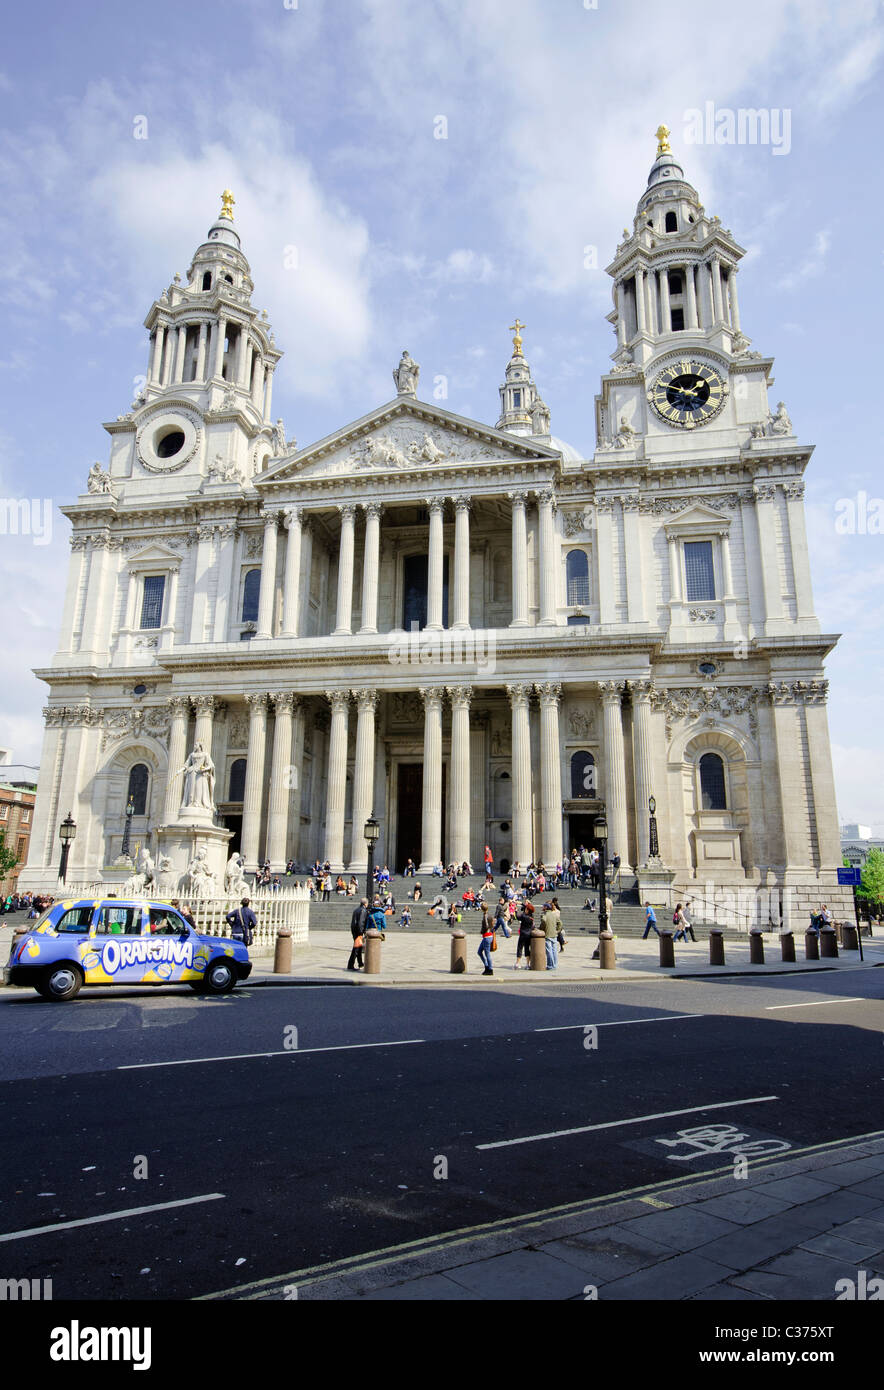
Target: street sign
[(850, 877)]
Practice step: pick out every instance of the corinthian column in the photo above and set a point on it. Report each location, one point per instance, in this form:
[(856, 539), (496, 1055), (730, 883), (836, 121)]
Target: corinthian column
[(431, 838), (337, 778), (520, 560), (615, 769), (205, 706), (550, 694), (546, 506), (292, 581), (523, 839), (370, 566), (268, 579), (281, 774), (179, 709), (641, 756), (254, 789), (461, 696), (343, 623), (435, 570), (461, 564), (363, 780)]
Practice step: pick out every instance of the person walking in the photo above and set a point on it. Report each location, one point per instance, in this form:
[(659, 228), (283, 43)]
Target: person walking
[(500, 918), (242, 922), (551, 921), (489, 862), (523, 945), (682, 925), (485, 945), (357, 931), (650, 921)]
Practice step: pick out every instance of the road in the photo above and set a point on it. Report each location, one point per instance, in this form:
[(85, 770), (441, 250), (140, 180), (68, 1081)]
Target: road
[(294, 1126)]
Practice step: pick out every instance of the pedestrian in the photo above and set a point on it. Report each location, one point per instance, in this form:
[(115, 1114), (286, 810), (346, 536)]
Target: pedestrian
[(489, 862), (357, 931), (376, 921), (242, 922), (650, 921), (551, 921), (526, 927), (409, 869), (500, 915), (184, 910), (682, 925), (487, 944)]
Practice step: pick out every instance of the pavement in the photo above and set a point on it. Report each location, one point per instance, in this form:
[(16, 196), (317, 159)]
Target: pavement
[(793, 1229)]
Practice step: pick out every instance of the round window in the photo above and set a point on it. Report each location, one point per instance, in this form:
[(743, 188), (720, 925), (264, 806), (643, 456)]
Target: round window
[(169, 444), (139, 690), (505, 825), (707, 668)]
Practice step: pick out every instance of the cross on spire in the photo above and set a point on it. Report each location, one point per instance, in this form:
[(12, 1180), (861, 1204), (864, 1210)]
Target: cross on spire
[(517, 340), (227, 202)]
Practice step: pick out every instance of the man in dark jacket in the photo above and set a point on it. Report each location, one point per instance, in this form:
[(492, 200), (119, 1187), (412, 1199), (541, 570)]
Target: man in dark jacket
[(357, 931), (242, 922)]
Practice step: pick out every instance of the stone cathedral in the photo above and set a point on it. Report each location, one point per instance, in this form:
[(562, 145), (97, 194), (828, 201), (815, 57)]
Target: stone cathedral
[(468, 630)]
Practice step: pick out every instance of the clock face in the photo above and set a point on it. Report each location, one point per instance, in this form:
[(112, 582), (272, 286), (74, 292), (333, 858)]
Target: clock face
[(687, 394)]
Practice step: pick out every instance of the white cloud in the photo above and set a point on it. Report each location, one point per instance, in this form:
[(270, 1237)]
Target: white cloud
[(811, 265)]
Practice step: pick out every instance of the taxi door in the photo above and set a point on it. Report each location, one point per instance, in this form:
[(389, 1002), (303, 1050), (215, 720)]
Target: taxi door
[(174, 945), (119, 944)]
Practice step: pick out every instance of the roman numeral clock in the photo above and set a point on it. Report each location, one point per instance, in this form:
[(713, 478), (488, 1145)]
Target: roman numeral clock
[(687, 393)]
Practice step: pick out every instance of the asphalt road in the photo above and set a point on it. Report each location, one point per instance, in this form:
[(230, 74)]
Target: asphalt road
[(283, 1157)]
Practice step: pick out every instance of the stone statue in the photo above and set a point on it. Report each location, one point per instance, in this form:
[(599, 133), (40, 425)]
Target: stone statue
[(428, 450), (279, 436), (406, 375), (540, 418), (98, 480), (625, 436), (146, 867), (198, 881), (234, 881), (758, 430), (222, 471), (199, 780), (780, 423)]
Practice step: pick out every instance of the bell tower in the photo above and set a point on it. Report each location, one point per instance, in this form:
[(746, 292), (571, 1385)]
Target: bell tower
[(521, 409)]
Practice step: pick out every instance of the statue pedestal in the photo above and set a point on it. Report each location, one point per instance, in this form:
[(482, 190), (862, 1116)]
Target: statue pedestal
[(654, 880), (181, 842)]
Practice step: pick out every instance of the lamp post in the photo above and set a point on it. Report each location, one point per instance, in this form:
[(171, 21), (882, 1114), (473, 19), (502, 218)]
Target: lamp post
[(653, 842), (127, 833), (601, 835), (371, 832), (67, 831)]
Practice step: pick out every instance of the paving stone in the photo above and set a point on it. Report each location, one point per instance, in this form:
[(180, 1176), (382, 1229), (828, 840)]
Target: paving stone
[(608, 1254), (797, 1189), (435, 1288), (867, 1231), (837, 1248), (681, 1229), (676, 1278), (837, 1207), (854, 1170), (871, 1187), (750, 1245), (816, 1275), (773, 1286), (524, 1274), (744, 1207), (728, 1293)]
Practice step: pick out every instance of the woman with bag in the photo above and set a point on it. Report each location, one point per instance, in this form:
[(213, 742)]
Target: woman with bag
[(488, 942)]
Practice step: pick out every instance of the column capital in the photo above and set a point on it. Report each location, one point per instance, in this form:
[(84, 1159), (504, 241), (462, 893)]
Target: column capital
[(640, 691), (549, 692), (178, 705), (257, 702), (432, 696), (347, 511), (462, 502), (460, 695), (519, 695), (372, 508), (204, 704), (611, 691), (285, 700), (270, 521), (546, 497), (435, 504), (338, 699), (518, 499), (293, 516), (366, 699)]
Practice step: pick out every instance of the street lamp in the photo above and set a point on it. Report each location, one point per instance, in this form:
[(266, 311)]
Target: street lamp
[(601, 835), (653, 843), (372, 831), (127, 833), (67, 830)]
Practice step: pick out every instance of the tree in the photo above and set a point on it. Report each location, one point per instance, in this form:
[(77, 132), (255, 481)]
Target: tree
[(8, 860), (871, 890)]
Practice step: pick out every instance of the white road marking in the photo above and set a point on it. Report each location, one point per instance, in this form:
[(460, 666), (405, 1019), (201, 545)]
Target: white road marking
[(814, 1004), (247, 1056), (110, 1216), (620, 1022), (616, 1124)]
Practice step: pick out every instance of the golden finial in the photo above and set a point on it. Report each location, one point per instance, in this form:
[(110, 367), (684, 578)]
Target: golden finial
[(517, 340), (662, 133), (227, 202)]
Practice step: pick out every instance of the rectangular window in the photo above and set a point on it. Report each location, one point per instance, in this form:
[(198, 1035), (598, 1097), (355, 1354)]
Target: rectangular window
[(152, 601), (677, 320), (699, 573), (22, 846), (517, 400), (4, 812), (25, 816)]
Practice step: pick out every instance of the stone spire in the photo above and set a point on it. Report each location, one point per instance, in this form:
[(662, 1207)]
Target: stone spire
[(521, 409)]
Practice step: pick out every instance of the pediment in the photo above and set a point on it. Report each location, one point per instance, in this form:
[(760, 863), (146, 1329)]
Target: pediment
[(697, 517), (154, 553), (405, 436)]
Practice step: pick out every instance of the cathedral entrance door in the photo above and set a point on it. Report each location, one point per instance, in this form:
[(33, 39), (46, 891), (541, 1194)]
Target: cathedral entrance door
[(409, 819), (415, 584), (233, 823), (581, 831)]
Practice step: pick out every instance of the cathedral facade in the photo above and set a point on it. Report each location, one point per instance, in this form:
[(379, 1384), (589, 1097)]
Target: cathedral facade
[(470, 631)]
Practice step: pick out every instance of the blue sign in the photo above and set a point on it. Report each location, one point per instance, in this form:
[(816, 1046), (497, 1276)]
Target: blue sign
[(851, 877)]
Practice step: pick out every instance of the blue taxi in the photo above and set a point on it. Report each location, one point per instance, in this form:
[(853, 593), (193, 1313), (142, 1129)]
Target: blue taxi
[(121, 941)]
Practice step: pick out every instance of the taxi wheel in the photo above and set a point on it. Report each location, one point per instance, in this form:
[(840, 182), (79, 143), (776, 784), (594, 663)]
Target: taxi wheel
[(60, 983), (220, 978)]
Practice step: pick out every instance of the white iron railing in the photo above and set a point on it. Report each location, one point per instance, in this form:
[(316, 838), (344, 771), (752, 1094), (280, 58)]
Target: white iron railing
[(288, 907)]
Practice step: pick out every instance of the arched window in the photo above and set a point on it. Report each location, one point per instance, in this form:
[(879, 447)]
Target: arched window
[(237, 788), (671, 222), (577, 572), (675, 286), (712, 784), (207, 280), (250, 594), (137, 792), (583, 782)]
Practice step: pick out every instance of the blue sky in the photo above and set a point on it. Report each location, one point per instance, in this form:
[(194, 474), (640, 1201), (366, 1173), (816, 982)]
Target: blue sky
[(322, 117)]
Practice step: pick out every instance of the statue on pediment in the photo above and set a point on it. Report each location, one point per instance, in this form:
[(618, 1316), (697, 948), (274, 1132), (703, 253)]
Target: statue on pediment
[(406, 375), (428, 451), (98, 480)]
